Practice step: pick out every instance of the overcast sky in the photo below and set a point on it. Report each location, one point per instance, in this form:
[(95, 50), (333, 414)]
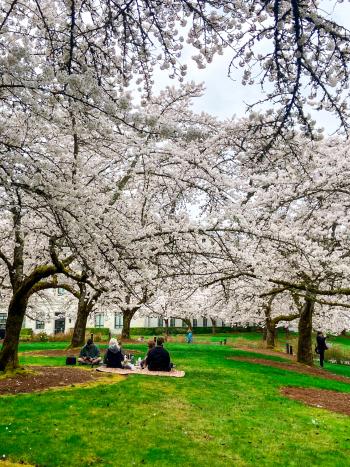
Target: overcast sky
[(225, 97)]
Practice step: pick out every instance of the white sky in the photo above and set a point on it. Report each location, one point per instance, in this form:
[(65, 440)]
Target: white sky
[(225, 97)]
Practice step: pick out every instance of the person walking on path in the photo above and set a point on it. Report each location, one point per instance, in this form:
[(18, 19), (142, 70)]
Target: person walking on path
[(189, 336), (321, 346)]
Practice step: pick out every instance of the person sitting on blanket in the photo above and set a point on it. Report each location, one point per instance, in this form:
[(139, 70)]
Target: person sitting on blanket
[(113, 357), (89, 354), (158, 359), (151, 344)]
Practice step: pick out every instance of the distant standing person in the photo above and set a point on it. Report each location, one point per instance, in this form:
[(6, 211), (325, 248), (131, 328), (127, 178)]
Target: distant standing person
[(158, 359), (113, 357), (321, 346), (189, 336), (89, 354)]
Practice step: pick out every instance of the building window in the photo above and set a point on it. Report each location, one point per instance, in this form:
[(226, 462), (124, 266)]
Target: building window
[(184, 324), (99, 320), (39, 324), (3, 318), (222, 323), (160, 322), (172, 322), (118, 320), (147, 322), (205, 322), (60, 291), (195, 323)]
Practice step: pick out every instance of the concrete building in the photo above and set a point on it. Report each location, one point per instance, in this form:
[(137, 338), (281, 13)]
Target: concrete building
[(54, 312)]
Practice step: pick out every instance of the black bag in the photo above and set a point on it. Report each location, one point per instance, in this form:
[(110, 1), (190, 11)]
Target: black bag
[(71, 361), (316, 350)]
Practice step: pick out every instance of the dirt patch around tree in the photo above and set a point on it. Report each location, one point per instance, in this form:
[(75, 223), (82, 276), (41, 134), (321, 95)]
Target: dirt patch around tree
[(40, 378), (265, 351), (296, 367), (321, 398)]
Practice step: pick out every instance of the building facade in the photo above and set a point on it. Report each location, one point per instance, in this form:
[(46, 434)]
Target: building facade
[(54, 312)]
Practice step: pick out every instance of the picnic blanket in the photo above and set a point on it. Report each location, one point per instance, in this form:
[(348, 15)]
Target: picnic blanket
[(138, 371)]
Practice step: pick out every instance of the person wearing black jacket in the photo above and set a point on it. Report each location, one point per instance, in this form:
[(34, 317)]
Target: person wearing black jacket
[(113, 357), (158, 359), (321, 346)]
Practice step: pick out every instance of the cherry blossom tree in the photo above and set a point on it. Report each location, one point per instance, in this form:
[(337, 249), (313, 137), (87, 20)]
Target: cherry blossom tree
[(288, 219), (293, 49), (108, 209), (91, 177)]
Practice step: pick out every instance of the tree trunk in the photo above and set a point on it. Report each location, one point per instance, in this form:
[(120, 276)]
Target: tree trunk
[(166, 322), (304, 354), (187, 322), (127, 317), (213, 325), (9, 350), (264, 333), (270, 334), (78, 337), (85, 307), (287, 332)]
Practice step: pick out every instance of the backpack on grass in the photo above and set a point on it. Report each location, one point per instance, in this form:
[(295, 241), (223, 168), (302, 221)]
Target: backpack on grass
[(71, 361)]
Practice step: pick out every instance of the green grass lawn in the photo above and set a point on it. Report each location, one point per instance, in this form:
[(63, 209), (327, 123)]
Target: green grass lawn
[(223, 413), (33, 346), (341, 340), (230, 337)]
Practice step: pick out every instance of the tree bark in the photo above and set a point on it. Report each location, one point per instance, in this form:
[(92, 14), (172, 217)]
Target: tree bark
[(9, 351), (264, 333), (127, 317), (213, 325), (187, 321), (166, 322), (270, 334), (85, 307), (78, 337), (304, 354)]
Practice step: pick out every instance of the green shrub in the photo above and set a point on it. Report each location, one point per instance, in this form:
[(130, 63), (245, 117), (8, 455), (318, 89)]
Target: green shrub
[(160, 331), (337, 354), (102, 331), (100, 334), (40, 337), (26, 334), (62, 336)]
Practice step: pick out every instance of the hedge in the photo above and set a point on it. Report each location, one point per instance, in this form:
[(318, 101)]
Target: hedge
[(100, 331), (159, 331), (26, 333)]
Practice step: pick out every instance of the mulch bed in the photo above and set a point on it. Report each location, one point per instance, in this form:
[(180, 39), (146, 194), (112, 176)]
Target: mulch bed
[(45, 378), (265, 351), (330, 400), (297, 367)]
